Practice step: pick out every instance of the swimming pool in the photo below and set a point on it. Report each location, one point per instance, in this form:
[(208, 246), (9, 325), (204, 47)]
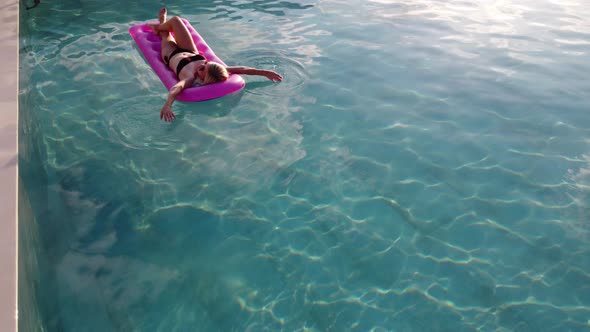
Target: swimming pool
[(424, 166)]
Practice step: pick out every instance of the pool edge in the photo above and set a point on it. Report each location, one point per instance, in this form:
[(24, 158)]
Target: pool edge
[(9, 163)]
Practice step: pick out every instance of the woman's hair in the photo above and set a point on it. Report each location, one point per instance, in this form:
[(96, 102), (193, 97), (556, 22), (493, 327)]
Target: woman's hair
[(215, 73)]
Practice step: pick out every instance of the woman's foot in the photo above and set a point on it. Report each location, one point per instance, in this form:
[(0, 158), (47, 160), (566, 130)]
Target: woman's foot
[(161, 17)]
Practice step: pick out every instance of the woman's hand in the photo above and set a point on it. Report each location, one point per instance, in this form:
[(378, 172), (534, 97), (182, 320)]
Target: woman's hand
[(273, 76), (166, 113)]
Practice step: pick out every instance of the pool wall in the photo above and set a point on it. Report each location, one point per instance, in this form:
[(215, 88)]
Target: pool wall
[(31, 280), (30, 169), (8, 160)]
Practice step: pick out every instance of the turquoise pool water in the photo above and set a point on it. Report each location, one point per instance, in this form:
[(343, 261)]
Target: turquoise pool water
[(424, 166)]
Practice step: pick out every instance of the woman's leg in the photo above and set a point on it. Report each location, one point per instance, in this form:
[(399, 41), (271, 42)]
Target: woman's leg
[(168, 42), (181, 34)]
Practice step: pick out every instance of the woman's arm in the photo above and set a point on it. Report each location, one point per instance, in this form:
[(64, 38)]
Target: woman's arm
[(271, 75), (166, 113)]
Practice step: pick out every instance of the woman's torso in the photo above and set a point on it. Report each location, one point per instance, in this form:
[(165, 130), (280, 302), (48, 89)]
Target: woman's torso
[(188, 70)]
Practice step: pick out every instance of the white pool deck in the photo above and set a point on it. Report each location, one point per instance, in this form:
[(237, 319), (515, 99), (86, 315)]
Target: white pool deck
[(9, 10)]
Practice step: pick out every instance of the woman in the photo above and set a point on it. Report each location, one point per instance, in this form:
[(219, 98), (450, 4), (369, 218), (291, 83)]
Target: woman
[(181, 55)]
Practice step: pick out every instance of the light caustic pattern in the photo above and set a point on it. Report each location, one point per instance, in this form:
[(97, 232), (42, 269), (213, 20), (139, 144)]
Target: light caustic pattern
[(422, 167)]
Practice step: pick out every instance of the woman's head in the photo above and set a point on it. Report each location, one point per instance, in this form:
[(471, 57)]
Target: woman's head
[(212, 72)]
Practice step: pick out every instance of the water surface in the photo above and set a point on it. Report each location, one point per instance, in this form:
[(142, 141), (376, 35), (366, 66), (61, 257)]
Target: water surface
[(424, 166)]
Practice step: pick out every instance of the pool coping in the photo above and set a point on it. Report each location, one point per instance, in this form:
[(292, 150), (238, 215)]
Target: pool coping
[(9, 162)]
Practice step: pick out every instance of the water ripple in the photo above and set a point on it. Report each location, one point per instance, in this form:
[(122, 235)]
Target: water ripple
[(293, 72)]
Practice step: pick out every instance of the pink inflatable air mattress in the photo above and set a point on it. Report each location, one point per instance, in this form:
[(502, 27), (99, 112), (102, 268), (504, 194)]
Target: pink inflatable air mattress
[(150, 45)]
